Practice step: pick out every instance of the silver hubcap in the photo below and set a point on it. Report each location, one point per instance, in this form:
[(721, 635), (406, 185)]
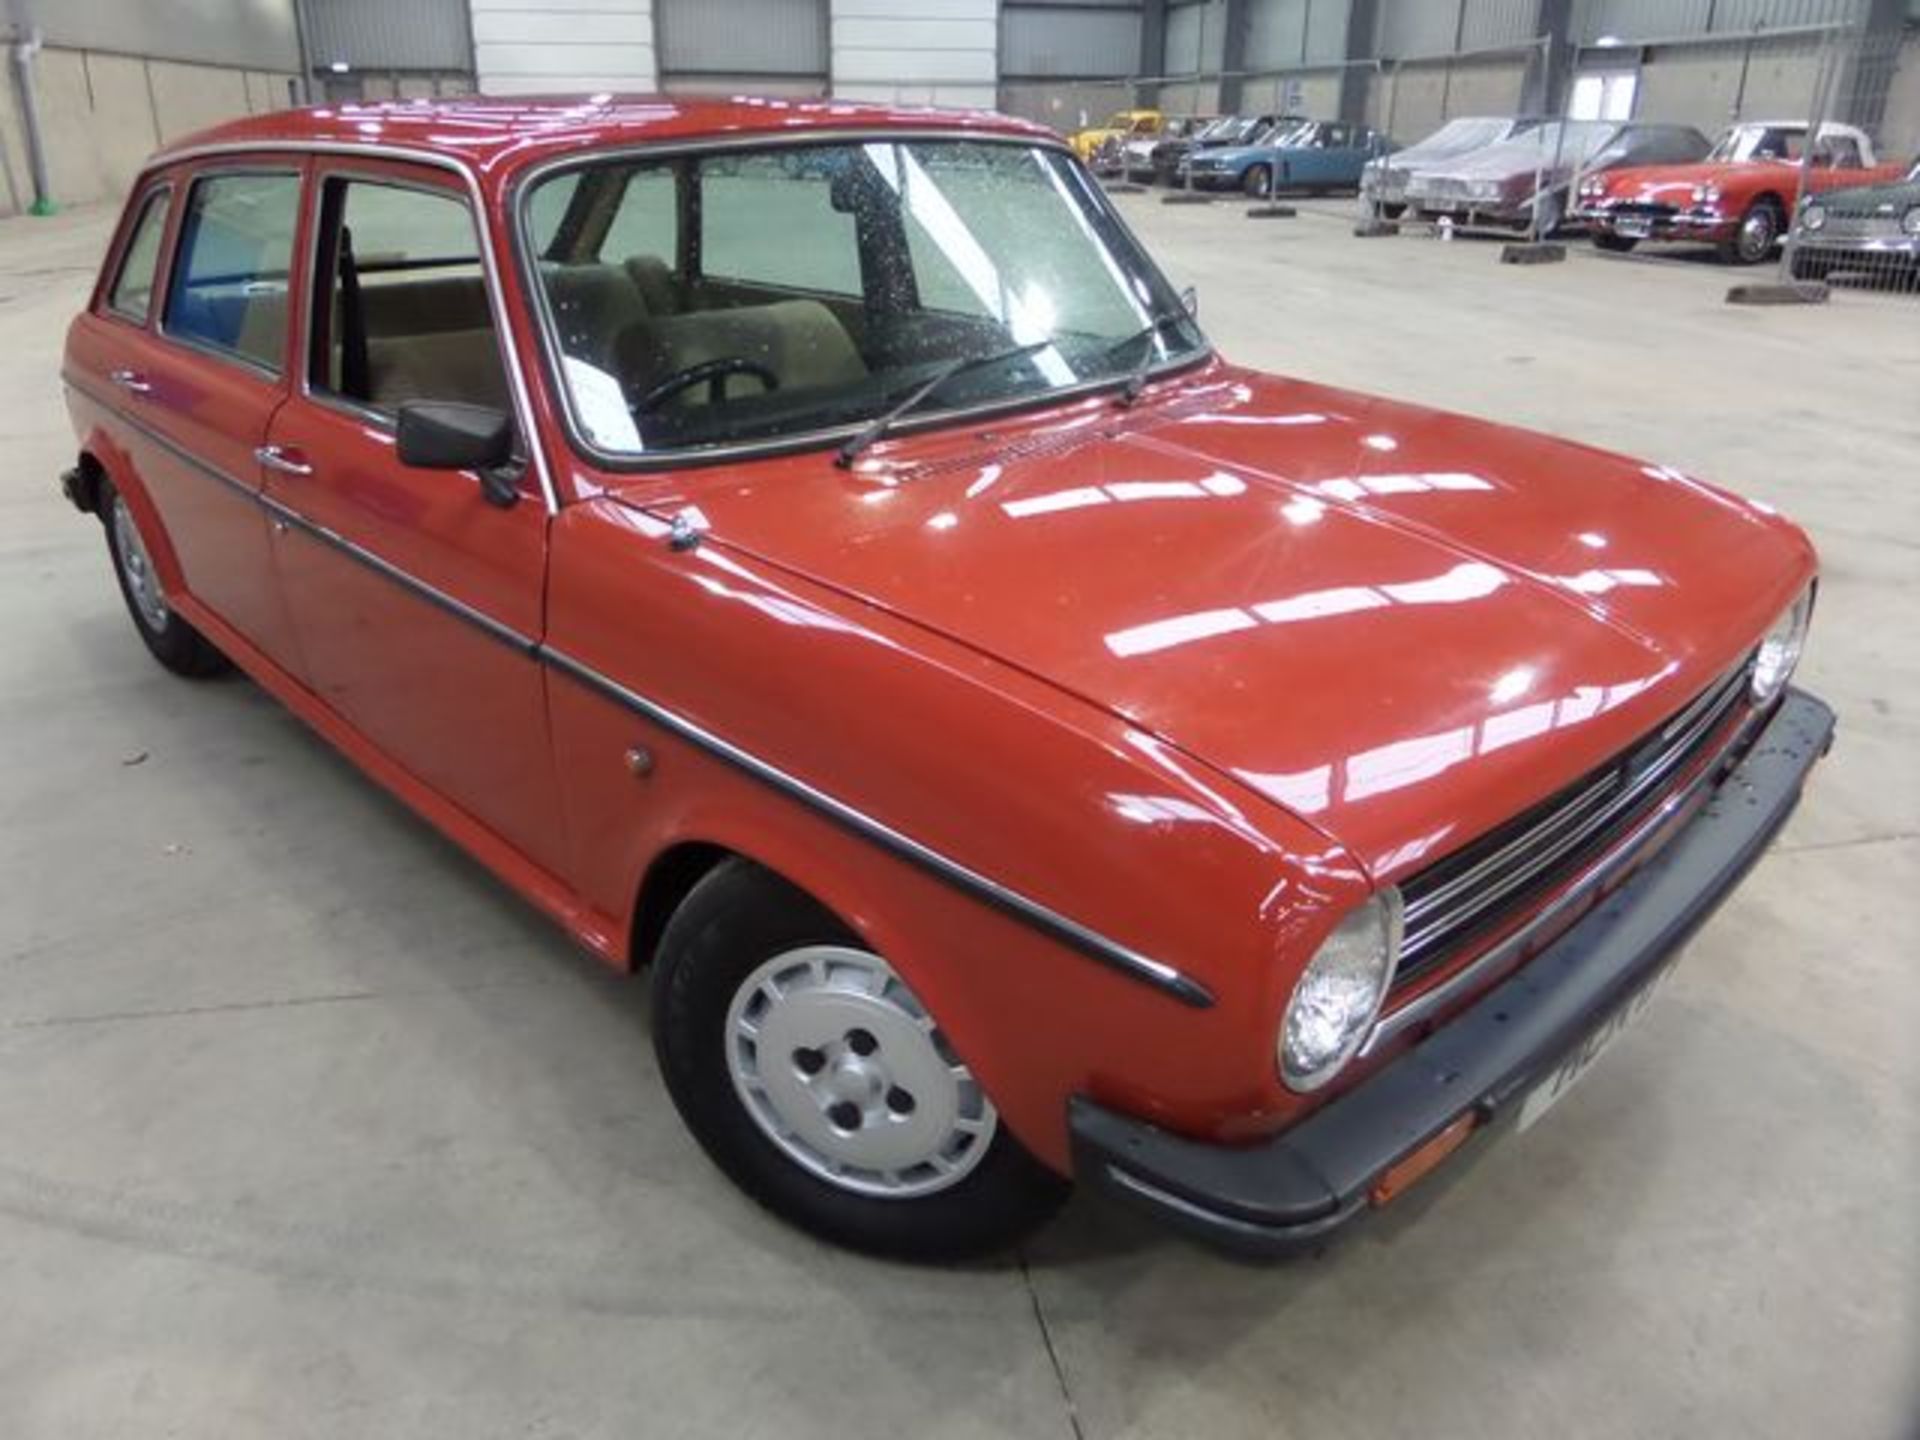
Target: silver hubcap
[(1757, 234), (840, 1065), (142, 583)]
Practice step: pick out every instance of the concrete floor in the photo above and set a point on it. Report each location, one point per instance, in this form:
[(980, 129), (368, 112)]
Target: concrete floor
[(306, 1129)]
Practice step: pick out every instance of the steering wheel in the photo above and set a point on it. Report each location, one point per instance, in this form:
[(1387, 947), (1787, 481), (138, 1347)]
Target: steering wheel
[(714, 373)]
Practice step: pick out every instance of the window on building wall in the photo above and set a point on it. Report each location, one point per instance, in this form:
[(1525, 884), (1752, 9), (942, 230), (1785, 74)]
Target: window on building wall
[(1605, 95)]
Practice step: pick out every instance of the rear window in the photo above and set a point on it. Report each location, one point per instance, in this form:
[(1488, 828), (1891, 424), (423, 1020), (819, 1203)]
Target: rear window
[(132, 294), (229, 290)]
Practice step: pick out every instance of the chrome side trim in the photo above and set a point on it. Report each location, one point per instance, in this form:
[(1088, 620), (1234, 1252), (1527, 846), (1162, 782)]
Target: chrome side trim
[(516, 373), (1604, 869), (433, 595), (1111, 953), (1088, 942)]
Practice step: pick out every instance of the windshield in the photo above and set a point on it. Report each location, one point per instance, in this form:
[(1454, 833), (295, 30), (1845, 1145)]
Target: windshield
[(756, 295), (1468, 133), (1759, 142)]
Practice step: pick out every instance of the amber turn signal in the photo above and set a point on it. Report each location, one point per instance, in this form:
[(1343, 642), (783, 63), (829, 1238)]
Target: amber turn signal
[(1417, 1164)]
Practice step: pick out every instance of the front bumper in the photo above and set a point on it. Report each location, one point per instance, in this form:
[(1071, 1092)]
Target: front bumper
[(1698, 225), (1899, 248), (1291, 1192)]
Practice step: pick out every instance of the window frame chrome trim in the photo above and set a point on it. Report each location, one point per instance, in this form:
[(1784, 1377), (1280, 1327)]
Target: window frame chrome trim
[(517, 200)]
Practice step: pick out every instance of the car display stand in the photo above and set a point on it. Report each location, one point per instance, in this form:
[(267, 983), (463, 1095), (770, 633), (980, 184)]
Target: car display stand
[(1780, 292), (1533, 252), (1272, 210), (1122, 187), (1373, 227), (1186, 197)]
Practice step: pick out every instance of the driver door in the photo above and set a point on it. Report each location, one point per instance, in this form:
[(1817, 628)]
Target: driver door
[(415, 598)]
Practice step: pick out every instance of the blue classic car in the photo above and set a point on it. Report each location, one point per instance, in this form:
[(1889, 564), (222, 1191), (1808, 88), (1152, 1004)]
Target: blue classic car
[(1307, 155)]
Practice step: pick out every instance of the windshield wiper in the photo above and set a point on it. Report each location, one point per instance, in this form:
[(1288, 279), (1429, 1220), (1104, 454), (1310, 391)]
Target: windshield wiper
[(886, 419), (1137, 381)]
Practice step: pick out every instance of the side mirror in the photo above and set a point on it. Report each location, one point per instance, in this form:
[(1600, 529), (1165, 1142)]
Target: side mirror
[(447, 435), (1190, 301)]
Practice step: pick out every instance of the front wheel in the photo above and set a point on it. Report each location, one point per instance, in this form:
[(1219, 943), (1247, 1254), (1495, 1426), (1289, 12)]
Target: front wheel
[(813, 1075), (1258, 181), (1616, 244), (169, 638), (1753, 241)]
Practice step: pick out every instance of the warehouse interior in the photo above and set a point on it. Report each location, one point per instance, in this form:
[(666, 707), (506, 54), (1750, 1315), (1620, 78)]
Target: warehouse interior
[(310, 1126)]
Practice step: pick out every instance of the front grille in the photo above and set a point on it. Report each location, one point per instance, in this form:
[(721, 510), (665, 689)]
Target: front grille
[(1856, 225), (1476, 887), (1643, 210)]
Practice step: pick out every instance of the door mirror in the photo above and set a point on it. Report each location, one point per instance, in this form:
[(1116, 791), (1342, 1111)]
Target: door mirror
[(446, 435), (1190, 301)]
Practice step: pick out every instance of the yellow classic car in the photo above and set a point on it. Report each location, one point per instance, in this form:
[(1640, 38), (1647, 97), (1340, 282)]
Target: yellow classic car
[(1122, 125)]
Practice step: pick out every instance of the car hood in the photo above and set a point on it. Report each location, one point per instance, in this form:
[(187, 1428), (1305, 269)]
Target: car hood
[(1673, 184), (1402, 626), (1900, 196), (1505, 160)]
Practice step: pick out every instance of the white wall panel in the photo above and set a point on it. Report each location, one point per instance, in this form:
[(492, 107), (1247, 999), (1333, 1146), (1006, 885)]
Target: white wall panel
[(1276, 33), (934, 52), (743, 38), (528, 46), (1196, 38)]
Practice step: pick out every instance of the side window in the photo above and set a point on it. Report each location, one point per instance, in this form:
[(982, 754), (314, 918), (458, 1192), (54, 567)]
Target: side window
[(1837, 152), (647, 221), (132, 294), (401, 305), (769, 219), (229, 288)]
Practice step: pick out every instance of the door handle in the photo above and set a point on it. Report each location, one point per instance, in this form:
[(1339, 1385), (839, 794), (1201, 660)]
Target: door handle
[(132, 381), (286, 461)]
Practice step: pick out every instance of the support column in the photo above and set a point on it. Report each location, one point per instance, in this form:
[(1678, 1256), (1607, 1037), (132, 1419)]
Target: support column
[(1233, 56), (1357, 80), (1549, 68), (1153, 49)]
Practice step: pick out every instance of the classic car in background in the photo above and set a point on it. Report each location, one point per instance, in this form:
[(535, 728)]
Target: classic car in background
[(1870, 228), (1171, 151), (1119, 126), (1739, 198), (1135, 158), (1524, 183), (1383, 181), (1312, 155)]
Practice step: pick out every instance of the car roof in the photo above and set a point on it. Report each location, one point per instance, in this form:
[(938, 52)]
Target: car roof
[(500, 133)]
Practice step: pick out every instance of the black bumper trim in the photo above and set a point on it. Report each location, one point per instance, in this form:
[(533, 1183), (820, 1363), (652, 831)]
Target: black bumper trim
[(1289, 1193)]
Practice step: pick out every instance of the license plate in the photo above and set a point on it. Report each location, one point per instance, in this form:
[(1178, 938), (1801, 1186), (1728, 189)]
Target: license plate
[(1634, 229), (1544, 1096)]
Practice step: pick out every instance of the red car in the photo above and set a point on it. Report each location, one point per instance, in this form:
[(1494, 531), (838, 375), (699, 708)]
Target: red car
[(1740, 199), (809, 550)]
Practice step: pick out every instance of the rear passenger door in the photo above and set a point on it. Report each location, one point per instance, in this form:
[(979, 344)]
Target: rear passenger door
[(188, 357), (417, 600)]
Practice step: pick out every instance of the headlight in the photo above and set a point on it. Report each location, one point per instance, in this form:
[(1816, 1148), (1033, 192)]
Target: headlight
[(1339, 994), (1706, 194), (1484, 190), (1813, 217), (1911, 221), (1780, 651)]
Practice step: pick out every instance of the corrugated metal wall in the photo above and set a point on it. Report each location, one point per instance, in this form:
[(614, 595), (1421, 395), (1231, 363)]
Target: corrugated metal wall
[(742, 40), (1284, 33), (382, 35), (1631, 20), (1068, 40), (1196, 37), (254, 34)]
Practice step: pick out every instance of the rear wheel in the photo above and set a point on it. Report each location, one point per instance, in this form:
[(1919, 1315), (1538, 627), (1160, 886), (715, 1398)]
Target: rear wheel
[(1753, 241), (1616, 244), (172, 641), (813, 1075), (1258, 181)]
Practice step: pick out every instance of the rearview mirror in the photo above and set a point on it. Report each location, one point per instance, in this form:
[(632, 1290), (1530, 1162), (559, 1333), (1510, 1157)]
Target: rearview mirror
[(447, 435)]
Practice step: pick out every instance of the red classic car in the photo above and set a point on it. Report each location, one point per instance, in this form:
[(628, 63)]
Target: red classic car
[(810, 550), (1740, 198)]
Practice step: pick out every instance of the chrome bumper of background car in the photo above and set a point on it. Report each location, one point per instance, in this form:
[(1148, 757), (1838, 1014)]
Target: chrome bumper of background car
[(1902, 247), (1291, 1192)]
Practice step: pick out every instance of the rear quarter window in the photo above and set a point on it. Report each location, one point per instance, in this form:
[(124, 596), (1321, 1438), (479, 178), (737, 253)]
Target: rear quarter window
[(131, 294)]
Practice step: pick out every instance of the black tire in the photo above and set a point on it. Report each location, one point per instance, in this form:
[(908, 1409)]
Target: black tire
[(1616, 244), (1392, 212), (169, 638), (735, 920), (1258, 181), (1759, 231)]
